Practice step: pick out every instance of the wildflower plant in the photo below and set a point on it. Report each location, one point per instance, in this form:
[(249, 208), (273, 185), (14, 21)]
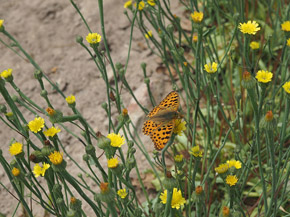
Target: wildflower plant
[(228, 140)]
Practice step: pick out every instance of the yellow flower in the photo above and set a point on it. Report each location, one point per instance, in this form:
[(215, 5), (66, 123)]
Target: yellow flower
[(149, 34), (194, 38), (234, 163), (178, 158), (264, 76), (231, 180), (179, 127), (286, 87), (113, 163), (116, 140), (1, 23), (15, 171), (255, 45), (222, 168), (195, 151), (15, 148), (122, 193), (70, 99), (51, 131), (38, 170), (251, 27), (197, 17), (93, 38), (140, 6), (6, 73), (211, 67), (226, 211), (288, 42), (36, 125), (56, 157), (286, 26), (177, 199), (151, 2), (128, 4)]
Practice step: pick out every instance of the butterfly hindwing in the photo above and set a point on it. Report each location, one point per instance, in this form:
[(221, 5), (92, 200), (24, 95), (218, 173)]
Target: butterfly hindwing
[(161, 135), (170, 101)]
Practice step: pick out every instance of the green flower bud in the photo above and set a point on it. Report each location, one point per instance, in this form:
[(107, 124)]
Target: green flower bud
[(14, 163), (105, 106), (143, 66), (268, 122), (38, 74), (90, 149), (118, 66), (60, 167), (146, 80), (138, 212), (132, 150), (103, 142), (36, 157), (158, 208), (248, 81), (86, 158), (170, 28), (169, 181), (43, 93), (15, 98), (3, 109), (79, 39), (130, 144), (46, 150), (107, 194), (55, 116), (130, 163), (180, 51), (71, 213), (75, 204), (56, 189)]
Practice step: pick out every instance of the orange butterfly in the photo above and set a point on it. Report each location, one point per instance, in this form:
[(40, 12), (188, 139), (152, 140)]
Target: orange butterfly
[(162, 120)]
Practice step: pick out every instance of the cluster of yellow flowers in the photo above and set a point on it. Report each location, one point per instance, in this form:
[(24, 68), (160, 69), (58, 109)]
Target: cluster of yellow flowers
[(225, 167)]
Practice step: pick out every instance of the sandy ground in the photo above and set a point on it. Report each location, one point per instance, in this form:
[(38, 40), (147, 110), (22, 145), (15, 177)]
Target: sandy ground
[(47, 31)]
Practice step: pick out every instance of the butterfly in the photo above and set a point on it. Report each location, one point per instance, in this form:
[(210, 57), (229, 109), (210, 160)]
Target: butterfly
[(161, 122)]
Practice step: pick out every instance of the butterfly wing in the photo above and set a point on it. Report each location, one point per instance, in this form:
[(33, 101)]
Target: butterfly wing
[(149, 126), (170, 101), (161, 135)]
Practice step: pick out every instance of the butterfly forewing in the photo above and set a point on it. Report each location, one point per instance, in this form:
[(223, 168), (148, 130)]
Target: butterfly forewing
[(148, 127), (170, 101)]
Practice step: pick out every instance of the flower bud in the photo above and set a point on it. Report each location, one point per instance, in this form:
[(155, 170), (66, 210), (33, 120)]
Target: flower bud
[(90, 149), (79, 39), (43, 93), (103, 142), (169, 181), (107, 194), (248, 81), (75, 204), (38, 74), (36, 157), (86, 158), (105, 106), (3, 109)]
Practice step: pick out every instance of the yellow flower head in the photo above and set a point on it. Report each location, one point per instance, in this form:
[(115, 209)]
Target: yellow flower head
[(122, 193), (179, 127), (6, 73), (51, 131), (178, 158), (1, 23), (251, 27), (36, 125), (226, 211), (264, 76), (151, 2), (177, 199), (288, 42), (194, 38), (286, 87), (149, 34), (128, 4), (286, 26), (116, 140), (234, 163), (94, 38), (222, 168), (140, 6), (195, 151), (40, 171), (15, 171), (113, 163), (254, 45), (197, 17), (211, 67), (15, 148), (70, 99), (231, 180), (56, 157)]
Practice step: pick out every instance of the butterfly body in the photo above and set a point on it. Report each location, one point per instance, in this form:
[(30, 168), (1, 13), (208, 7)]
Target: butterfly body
[(161, 120)]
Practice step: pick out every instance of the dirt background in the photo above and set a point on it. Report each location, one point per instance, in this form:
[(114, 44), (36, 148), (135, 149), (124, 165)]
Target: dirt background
[(47, 31)]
